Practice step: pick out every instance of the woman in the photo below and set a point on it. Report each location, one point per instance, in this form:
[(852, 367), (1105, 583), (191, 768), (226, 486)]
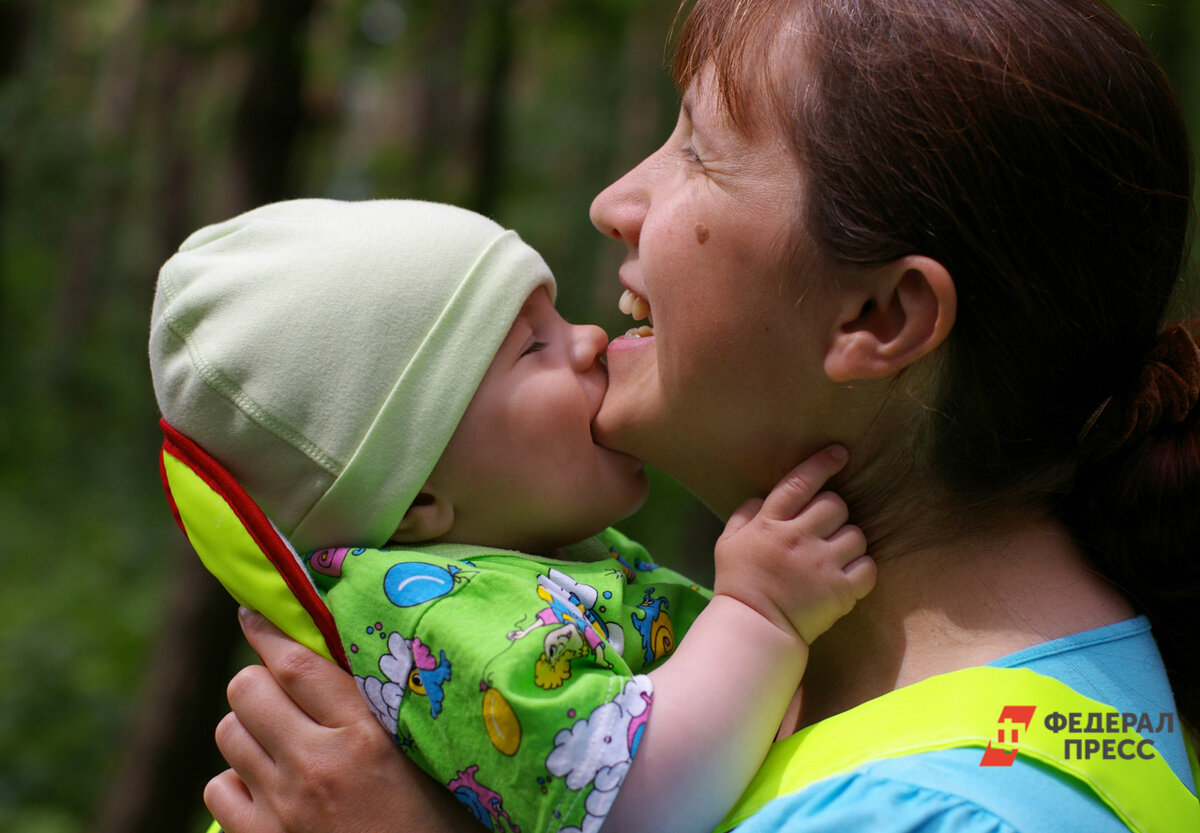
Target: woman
[(945, 235)]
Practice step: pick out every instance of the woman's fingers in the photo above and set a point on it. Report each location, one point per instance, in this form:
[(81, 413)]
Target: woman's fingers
[(241, 751), (266, 712), (299, 741), (803, 483), (229, 800), (316, 685), (284, 705)]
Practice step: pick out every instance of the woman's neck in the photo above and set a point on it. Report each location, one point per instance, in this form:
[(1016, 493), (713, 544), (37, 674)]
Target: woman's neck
[(963, 603)]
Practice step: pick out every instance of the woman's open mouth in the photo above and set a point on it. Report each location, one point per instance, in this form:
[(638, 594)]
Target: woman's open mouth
[(638, 307)]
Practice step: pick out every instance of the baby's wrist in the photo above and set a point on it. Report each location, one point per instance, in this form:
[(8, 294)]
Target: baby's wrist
[(770, 629)]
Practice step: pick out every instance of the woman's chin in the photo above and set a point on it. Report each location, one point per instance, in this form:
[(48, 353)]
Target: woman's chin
[(630, 419), (625, 425)]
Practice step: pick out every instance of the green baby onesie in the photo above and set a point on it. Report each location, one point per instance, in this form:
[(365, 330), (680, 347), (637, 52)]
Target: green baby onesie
[(515, 680)]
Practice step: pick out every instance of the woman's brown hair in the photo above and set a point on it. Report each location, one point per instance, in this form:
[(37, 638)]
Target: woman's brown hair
[(1035, 149)]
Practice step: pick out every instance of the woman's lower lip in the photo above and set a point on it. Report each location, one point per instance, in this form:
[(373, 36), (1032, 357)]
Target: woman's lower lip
[(623, 343)]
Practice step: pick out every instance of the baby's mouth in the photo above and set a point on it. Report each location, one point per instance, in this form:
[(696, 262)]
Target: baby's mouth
[(638, 307)]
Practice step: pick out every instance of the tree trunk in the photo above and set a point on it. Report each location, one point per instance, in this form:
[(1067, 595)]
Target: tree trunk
[(271, 112), (488, 151), (171, 754), (16, 22), (105, 185)]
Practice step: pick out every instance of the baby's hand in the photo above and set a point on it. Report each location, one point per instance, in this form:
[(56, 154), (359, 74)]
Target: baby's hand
[(792, 557)]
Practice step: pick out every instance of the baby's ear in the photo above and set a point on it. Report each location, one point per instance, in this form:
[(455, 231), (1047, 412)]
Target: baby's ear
[(429, 518)]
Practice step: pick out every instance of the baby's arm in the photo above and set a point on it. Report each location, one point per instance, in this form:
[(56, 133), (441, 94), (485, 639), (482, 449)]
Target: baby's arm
[(787, 568)]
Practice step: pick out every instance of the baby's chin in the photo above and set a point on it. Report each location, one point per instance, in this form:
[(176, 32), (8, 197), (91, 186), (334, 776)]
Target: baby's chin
[(627, 482), (638, 499), (553, 545)]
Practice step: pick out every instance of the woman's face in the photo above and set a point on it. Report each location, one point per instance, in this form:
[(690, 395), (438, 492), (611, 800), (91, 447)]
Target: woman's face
[(722, 392)]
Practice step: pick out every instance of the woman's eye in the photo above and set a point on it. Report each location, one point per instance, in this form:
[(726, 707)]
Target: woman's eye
[(534, 348), (692, 156)]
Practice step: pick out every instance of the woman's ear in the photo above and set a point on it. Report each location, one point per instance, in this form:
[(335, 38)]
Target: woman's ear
[(903, 311), (430, 517)]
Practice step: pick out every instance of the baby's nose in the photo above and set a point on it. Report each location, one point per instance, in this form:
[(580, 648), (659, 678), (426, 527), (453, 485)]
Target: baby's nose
[(589, 345)]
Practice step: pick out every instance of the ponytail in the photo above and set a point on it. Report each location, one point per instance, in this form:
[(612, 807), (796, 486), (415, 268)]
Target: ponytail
[(1135, 505)]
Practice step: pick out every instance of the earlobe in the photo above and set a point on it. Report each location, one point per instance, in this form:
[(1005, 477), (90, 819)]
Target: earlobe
[(904, 311), (429, 518)]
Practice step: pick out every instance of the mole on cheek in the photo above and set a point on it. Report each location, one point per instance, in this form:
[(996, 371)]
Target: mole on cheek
[(701, 233)]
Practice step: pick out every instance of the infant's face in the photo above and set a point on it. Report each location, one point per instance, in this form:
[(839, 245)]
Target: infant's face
[(522, 470)]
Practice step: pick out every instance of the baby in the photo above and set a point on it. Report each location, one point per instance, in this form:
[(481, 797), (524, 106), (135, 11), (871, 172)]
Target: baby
[(390, 382)]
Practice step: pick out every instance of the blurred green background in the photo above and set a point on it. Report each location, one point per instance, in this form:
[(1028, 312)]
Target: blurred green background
[(126, 124)]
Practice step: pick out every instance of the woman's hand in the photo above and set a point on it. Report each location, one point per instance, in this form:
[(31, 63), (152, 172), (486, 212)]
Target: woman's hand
[(307, 754)]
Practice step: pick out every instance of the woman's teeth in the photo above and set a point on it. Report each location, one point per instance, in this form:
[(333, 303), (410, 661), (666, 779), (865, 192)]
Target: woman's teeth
[(639, 308), (634, 305)]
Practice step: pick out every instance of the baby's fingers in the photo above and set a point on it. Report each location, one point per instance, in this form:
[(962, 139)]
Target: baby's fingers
[(742, 516), (848, 543), (824, 516), (800, 485), (860, 575), (859, 568)]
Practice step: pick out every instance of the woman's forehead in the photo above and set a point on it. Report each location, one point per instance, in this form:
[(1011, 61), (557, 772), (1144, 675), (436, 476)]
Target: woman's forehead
[(750, 50)]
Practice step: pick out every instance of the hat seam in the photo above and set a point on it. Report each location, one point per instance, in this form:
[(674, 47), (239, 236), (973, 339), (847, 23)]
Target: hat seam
[(227, 388)]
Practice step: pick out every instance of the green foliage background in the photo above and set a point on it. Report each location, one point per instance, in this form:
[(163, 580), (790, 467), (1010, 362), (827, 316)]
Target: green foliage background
[(118, 136)]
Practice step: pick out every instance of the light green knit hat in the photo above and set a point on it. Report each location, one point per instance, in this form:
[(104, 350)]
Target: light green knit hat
[(325, 351)]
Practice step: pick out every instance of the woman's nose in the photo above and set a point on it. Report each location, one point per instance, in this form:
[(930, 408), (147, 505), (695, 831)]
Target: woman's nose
[(617, 211), (588, 345)]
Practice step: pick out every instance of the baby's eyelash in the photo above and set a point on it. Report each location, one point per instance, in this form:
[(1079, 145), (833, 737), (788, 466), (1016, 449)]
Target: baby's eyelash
[(535, 347)]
